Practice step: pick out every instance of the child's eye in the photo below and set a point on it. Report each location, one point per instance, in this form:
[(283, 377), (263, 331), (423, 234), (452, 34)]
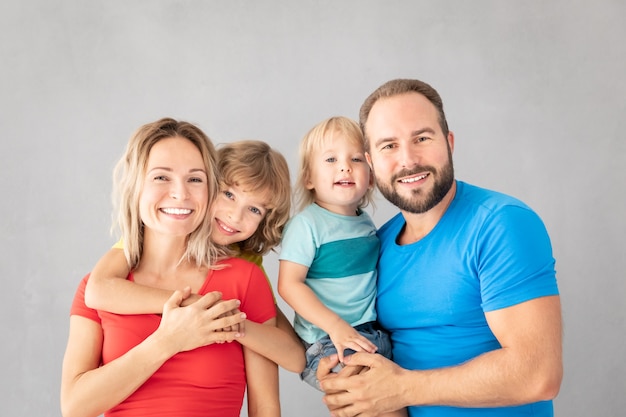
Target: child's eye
[(357, 159), (256, 211), (331, 159), (229, 195)]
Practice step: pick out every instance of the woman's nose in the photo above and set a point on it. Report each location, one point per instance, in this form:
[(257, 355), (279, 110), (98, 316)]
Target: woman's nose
[(179, 192)]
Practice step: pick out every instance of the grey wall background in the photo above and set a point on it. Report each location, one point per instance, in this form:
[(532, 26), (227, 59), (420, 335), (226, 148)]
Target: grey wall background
[(534, 91)]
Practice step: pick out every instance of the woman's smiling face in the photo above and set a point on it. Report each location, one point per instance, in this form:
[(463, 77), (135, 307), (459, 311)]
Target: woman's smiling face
[(174, 197)]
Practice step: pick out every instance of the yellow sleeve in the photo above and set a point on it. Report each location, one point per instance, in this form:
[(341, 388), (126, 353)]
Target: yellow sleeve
[(258, 261), (120, 245)]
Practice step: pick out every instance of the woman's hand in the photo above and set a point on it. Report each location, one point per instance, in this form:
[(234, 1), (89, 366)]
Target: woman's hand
[(200, 323)]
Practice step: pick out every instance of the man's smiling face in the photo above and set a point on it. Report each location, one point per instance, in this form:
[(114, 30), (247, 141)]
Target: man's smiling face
[(410, 156)]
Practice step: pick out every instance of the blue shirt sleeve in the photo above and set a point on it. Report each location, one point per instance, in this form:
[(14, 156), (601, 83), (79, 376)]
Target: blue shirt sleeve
[(515, 262)]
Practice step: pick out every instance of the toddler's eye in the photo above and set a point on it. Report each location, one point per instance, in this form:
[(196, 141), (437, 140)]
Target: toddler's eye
[(229, 195), (331, 159)]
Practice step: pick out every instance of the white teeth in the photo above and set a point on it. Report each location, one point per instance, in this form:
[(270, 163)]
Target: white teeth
[(228, 229), (414, 179), (344, 182), (176, 211)]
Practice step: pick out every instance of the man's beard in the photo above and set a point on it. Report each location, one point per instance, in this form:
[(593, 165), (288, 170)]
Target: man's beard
[(419, 202)]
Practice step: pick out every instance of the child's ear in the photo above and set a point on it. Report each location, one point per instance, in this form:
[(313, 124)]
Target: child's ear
[(308, 183)]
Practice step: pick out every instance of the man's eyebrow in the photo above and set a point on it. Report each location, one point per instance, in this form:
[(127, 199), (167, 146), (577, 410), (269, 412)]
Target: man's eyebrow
[(413, 134), (423, 130), (384, 140)]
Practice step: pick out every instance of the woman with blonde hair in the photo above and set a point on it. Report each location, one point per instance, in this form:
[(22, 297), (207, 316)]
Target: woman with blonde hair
[(247, 220), (177, 363)]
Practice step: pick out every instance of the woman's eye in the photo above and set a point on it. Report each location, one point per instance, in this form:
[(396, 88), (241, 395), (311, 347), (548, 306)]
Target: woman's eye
[(160, 178), (196, 179)]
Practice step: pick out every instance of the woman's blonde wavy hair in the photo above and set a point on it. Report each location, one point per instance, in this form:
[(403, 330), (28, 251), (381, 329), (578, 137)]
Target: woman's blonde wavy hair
[(128, 180)]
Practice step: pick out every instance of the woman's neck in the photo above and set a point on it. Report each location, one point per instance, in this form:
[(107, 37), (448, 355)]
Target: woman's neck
[(162, 254)]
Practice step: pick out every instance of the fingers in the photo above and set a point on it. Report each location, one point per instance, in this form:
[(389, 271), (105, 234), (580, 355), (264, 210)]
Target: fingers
[(366, 345), (239, 327), (186, 292), (224, 315), (358, 344), (351, 370), (223, 337), (339, 353), (362, 359), (174, 301), (208, 300), (326, 365), (229, 323)]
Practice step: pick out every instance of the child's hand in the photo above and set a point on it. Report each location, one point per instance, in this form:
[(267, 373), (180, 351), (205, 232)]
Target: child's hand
[(238, 328), (344, 337)]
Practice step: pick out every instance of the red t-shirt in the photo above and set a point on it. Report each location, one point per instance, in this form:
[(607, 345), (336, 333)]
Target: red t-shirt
[(208, 381)]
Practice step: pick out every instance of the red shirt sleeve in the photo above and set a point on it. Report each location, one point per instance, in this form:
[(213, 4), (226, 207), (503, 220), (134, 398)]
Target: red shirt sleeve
[(79, 308)]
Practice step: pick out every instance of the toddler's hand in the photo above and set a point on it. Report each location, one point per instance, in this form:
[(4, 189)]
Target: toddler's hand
[(345, 336)]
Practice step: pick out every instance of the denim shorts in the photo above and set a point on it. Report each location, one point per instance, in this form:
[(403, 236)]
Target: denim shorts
[(324, 347)]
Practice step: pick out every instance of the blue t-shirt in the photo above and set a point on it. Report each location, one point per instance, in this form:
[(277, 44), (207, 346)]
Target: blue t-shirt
[(489, 251), (341, 253)]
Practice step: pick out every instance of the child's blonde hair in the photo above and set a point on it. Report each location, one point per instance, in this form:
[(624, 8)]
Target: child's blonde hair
[(258, 168), (334, 127), (128, 181)]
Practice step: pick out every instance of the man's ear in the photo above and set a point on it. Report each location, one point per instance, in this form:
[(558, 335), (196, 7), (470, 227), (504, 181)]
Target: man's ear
[(451, 141), (368, 158)]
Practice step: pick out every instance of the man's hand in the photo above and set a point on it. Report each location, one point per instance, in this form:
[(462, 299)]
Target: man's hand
[(369, 385)]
